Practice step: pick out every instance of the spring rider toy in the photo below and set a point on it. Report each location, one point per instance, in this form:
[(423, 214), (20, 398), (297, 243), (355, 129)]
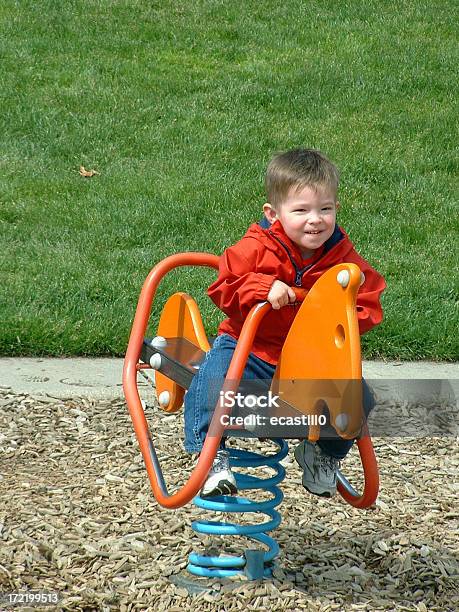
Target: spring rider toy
[(322, 350)]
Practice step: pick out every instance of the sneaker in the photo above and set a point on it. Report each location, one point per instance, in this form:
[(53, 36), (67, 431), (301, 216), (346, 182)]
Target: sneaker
[(319, 469), (220, 480)]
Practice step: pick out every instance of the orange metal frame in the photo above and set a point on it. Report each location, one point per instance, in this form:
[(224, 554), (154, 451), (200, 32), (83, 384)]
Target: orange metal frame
[(216, 428)]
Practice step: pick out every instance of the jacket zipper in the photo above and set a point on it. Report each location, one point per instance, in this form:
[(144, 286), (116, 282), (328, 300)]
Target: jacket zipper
[(298, 272)]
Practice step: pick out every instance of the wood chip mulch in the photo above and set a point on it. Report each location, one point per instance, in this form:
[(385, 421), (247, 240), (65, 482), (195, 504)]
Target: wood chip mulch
[(77, 517)]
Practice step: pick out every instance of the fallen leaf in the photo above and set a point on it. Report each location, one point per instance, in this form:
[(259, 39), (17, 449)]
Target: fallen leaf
[(87, 173)]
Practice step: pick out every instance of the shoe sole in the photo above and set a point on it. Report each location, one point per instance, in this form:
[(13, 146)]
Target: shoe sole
[(321, 492), (225, 487)]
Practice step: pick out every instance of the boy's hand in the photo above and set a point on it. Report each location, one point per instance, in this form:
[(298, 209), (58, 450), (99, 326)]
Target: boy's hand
[(280, 295)]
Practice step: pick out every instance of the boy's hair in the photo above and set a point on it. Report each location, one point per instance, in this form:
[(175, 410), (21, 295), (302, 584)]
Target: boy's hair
[(300, 168)]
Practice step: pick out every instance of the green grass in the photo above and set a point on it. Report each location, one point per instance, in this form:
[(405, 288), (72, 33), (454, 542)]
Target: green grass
[(180, 106)]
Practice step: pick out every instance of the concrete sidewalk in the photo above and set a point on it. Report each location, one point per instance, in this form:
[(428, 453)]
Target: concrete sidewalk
[(102, 378)]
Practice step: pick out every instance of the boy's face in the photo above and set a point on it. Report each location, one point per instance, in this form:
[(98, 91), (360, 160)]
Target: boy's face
[(308, 216)]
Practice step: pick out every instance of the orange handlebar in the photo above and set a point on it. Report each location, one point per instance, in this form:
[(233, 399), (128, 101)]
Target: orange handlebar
[(216, 428), (300, 293), (134, 348), (371, 475)]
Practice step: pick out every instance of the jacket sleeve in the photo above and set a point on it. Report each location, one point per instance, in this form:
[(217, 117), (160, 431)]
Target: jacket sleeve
[(238, 287), (369, 310)]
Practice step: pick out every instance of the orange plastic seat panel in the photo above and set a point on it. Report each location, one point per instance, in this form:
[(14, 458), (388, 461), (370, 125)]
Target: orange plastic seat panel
[(180, 318), (320, 360)]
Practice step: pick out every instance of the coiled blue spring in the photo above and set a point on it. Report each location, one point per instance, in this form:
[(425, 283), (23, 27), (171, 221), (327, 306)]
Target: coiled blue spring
[(213, 566)]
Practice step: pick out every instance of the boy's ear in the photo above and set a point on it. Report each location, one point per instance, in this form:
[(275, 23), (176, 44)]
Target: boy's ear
[(269, 212), (337, 206)]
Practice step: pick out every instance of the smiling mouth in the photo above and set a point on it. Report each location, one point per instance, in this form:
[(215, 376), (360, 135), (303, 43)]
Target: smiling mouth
[(317, 232)]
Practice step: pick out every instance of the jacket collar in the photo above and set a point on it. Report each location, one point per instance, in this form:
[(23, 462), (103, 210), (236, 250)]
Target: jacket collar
[(278, 230)]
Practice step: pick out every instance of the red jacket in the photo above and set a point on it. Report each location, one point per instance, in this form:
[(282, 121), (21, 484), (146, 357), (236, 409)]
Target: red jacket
[(248, 269)]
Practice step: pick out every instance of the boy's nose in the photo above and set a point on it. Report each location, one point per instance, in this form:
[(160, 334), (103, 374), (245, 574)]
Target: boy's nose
[(314, 217)]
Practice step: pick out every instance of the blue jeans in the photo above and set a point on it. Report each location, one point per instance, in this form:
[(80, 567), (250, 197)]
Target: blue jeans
[(203, 394)]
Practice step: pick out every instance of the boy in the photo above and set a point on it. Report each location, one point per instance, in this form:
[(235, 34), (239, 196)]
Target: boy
[(293, 245)]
